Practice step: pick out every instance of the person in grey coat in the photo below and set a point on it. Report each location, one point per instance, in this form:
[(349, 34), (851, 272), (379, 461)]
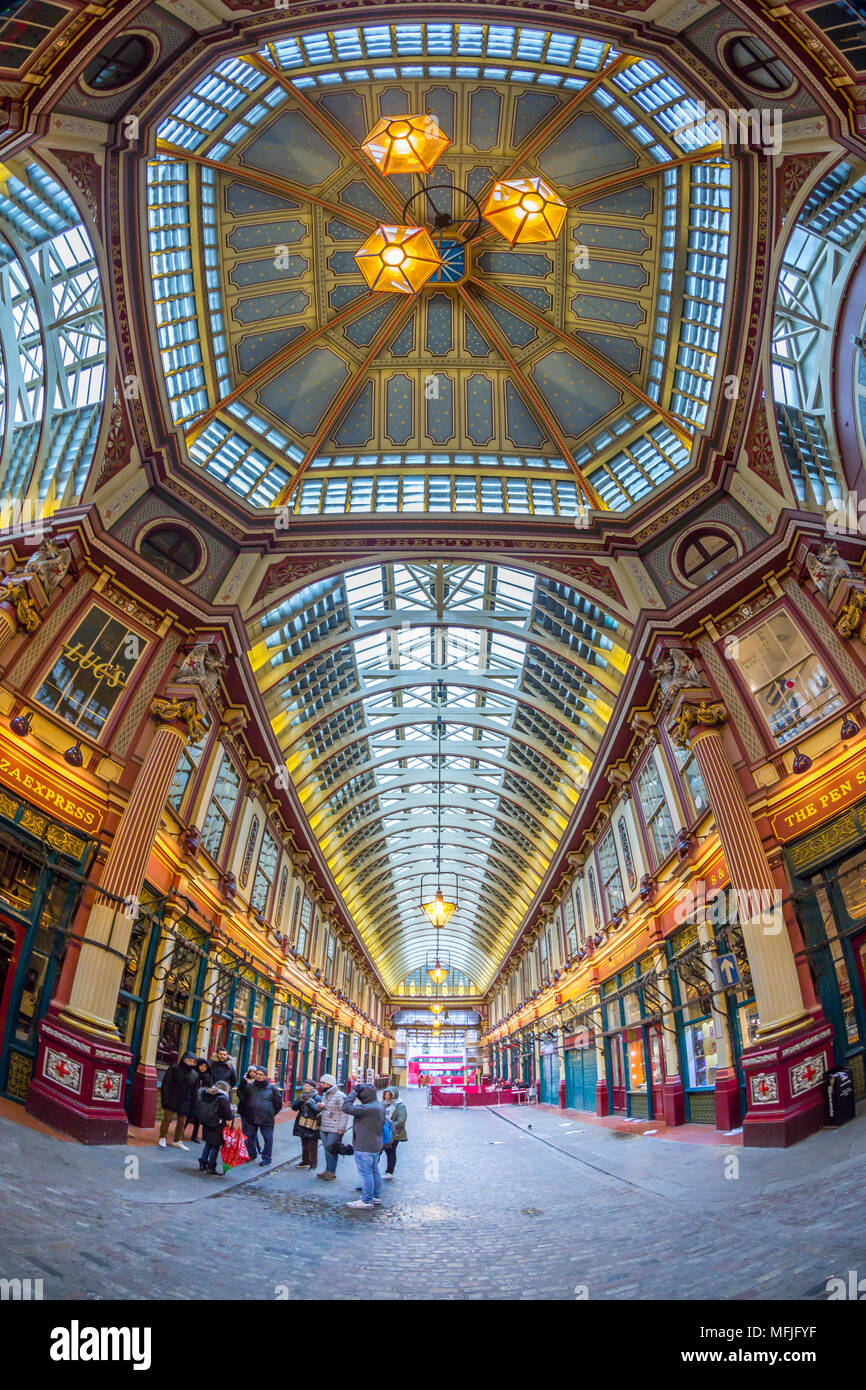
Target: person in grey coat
[(368, 1119)]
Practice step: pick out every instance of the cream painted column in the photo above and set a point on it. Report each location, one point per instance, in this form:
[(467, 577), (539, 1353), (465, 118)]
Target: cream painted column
[(778, 996), (93, 997)]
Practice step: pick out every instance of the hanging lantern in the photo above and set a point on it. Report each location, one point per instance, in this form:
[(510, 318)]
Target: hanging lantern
[(400, 259), (437, 1008), (437, 972), (525, 210), (405, 144), (439, 910)]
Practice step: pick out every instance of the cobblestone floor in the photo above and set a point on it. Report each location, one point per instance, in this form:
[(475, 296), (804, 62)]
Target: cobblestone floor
[(487, 1204)]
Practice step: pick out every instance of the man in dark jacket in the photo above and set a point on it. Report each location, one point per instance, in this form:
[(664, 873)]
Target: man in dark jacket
[(259, 1103), (222, 1069), (368, 1119), (177, 1093)]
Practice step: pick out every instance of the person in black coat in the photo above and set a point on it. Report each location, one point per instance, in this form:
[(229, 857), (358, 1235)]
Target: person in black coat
[(214, 1111), (307, 1124), (203, 1079), (259, 1103), (222, 1069), (177, 1092)]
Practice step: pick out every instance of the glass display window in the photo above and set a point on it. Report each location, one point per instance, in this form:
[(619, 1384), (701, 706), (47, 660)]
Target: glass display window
[(701, 1050), (787, 678), (222, 805), (91, 672), (611, 878), (636, 1062)]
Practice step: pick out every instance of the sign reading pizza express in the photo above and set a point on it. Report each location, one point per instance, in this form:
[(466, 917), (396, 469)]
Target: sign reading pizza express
[(29, 780)]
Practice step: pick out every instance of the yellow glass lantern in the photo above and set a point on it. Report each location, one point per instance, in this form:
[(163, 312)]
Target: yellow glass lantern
[(400, 259), (525, 210), (437, 973), (439, 910), (405, 144)]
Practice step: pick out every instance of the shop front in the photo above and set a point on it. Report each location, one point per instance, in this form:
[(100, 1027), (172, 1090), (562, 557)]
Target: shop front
[(550, 1073), (828, 871), (634, 1053), (42, 866)]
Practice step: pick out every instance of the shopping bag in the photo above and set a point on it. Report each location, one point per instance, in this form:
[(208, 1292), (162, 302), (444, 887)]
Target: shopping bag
[(234, 1149)]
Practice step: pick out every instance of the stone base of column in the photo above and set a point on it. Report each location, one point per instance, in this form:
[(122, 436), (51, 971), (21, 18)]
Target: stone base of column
[(143, 1095), (602, 1101), (784, 1099), (728, 1111), (79, 1083), (674, 1101)]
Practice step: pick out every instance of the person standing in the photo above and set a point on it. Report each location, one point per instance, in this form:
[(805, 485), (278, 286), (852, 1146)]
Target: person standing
[(177, 1092), (368, 1120), (334, 1124), (214, 1111), (395, 1113), (203, 1079), (262, 1103), (307, 1124), (222, 1069)]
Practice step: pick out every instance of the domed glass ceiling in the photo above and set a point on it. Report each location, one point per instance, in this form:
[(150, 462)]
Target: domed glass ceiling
[(356, 670), (498, 390)]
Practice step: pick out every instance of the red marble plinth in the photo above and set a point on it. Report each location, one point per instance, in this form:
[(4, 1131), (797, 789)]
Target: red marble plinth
[(602, 1100), (674, 1101), (728, 1111), (79, 1083), (143, 1096), (784, 1097)]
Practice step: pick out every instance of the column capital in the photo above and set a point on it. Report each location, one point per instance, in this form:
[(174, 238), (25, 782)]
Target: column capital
[(181, 703), (689, 717)]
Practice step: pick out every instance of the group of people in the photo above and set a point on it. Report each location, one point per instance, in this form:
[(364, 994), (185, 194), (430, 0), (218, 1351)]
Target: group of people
[(323, 1113), (198, 1091)]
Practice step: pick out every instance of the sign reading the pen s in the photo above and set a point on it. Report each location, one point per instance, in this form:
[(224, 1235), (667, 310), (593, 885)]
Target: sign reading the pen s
[(821, 801)]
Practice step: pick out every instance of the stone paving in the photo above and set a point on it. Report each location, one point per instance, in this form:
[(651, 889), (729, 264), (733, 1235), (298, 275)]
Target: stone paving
[(487, 1204)]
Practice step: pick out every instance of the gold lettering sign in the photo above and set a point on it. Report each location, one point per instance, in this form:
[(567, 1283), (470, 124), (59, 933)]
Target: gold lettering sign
[(53, 793), (823, 800), (108, 671)]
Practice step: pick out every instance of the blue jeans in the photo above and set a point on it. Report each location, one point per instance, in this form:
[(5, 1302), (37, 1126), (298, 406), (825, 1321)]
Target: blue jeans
[(251, 1132), (330, 1158), (371, 1177), (209, 1155)]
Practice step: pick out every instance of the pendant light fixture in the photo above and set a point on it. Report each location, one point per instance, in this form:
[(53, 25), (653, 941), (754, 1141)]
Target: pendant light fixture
[(438, 908)]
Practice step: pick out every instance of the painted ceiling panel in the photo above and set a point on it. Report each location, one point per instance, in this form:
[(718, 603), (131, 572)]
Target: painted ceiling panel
[(294, 120)]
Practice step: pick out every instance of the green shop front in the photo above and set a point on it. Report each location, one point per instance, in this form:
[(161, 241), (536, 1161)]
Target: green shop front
[(43, 865)]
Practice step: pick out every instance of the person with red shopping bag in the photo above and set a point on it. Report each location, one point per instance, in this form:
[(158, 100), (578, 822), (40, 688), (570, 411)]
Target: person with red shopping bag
[(214, 1112)]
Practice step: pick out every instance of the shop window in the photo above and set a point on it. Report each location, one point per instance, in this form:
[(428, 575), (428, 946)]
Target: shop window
[(636, 1062), (264, 872), (92, 671), (657, 817), (221, 809), (693, 783), (787, 679), (189, 761), (133, 985), (611, 879), (19, 878), (703, 554), (179, 965), (756, 65), (119, 63), (701, 1050)]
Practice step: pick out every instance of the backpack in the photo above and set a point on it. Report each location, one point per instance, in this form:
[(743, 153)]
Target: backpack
[(209, 1110)]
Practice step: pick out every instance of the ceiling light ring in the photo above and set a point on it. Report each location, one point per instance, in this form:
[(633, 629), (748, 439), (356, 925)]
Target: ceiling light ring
[(441, 220)]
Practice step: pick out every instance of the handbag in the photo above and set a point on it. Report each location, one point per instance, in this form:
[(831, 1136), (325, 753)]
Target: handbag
[(234, 1149), (307, 1122), (387, 1132)]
